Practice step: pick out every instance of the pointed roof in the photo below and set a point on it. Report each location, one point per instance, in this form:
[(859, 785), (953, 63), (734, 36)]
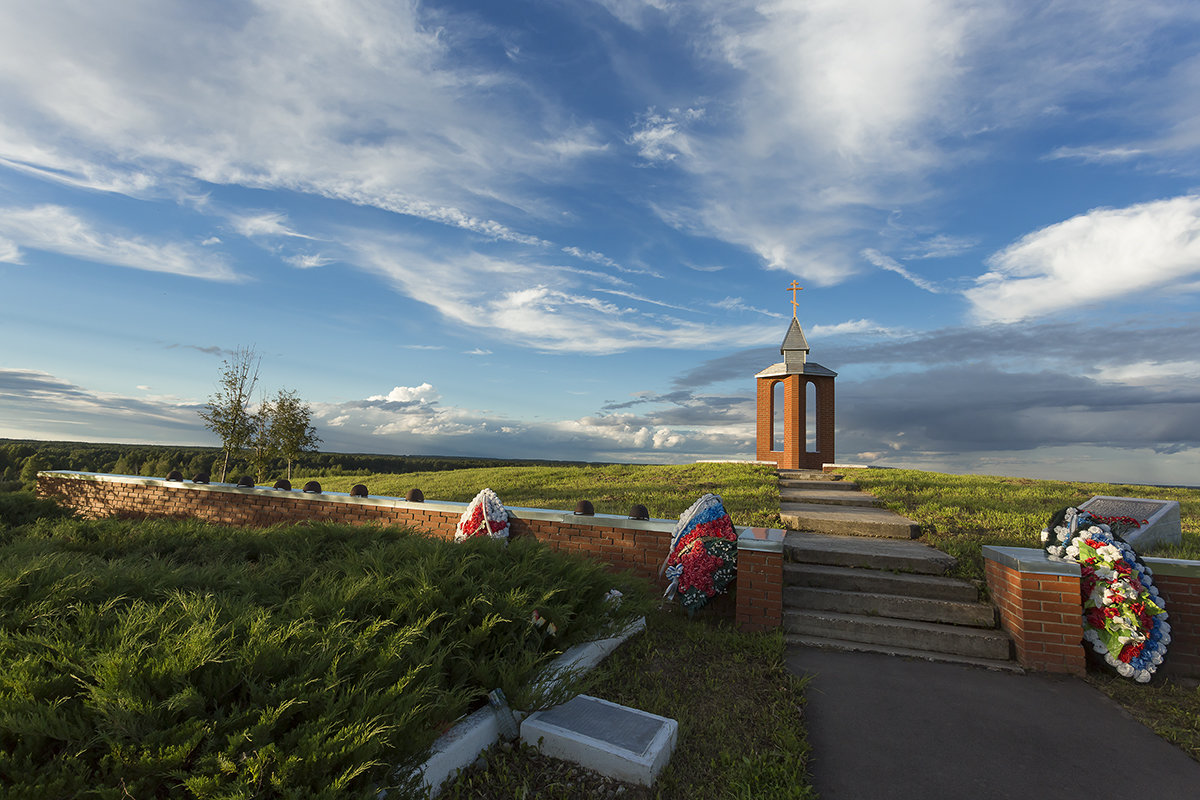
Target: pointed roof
[(795, 338)]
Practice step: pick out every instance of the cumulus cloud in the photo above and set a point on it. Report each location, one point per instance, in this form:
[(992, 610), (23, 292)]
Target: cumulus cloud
[(56, 229), (1101, 255)]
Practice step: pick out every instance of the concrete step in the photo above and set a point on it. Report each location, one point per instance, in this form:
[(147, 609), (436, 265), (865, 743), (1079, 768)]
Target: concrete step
[(818, 494), (796, 640), (824, 486), (847, 520), (857, 551), (892, 606), (861, 579), (807, 475), (927, 636)]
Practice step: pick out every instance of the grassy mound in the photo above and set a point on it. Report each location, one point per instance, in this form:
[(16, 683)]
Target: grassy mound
[(177, 659)]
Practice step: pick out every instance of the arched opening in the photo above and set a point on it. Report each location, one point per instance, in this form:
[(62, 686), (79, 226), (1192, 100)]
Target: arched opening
[(778, 416), (810, 417)]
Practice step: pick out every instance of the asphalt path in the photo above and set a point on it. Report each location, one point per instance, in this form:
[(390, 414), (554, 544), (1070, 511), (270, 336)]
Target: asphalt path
[(888, 728)]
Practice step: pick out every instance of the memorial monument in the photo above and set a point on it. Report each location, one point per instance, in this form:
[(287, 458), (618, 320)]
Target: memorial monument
[(788, 434)]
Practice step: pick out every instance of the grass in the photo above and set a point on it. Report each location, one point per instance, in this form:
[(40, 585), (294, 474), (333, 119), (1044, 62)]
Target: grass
[(171, 658), (959, 514), (739, 714), (748, 491)]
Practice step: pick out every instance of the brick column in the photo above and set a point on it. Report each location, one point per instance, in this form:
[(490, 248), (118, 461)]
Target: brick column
[(1040, 607), (760, 579)]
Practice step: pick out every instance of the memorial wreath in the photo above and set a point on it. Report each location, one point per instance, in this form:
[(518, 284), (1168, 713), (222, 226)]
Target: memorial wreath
[(1123, 615), (702, 559)]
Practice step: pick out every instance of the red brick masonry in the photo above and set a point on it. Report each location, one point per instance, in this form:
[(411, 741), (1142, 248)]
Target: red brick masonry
[(1040, 607), (619, 542)]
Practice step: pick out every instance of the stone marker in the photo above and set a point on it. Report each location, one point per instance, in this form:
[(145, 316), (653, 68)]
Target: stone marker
[(614, 740), (1162, 519)]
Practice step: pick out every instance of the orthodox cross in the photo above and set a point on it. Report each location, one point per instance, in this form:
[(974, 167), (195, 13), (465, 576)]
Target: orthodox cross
[(795, 287)]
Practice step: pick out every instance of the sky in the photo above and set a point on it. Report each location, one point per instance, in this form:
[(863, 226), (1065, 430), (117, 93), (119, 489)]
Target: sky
[(565, 228)]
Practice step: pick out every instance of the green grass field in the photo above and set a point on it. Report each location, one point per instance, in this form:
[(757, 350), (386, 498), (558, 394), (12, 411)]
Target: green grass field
[(748, 491)]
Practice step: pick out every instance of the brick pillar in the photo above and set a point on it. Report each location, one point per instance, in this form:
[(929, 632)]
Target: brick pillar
[(759, 590), (1040, 607)]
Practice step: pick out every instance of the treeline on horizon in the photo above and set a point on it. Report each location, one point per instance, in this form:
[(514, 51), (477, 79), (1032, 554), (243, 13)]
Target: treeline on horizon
[(21, 459)]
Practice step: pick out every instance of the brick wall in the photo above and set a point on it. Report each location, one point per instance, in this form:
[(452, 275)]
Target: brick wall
[(1041, 612), (1041, 608), (1181, 594), (624, 544)]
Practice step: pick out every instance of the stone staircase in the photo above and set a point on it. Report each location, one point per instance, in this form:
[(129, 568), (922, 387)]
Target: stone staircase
[(812, 500), (873, 589)]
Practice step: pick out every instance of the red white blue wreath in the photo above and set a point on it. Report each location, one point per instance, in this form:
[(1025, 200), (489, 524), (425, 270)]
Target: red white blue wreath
[(1123, 615), (702, 559)]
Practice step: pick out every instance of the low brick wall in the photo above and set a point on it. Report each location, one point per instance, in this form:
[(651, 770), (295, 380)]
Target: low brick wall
[(621, 543), (1041, 608)]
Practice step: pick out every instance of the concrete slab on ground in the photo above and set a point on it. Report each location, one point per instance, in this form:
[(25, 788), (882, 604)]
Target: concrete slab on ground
[(914, 730), (614, 740), (857, 551), (847, 520)]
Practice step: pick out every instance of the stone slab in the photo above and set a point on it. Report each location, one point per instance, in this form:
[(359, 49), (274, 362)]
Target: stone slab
[(1162, 526), (851, 551), (848, 520), (859, 579), (614, 740), (828, 497)]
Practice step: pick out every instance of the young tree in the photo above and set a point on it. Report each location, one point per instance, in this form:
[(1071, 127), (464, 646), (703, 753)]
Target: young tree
[(291, 427), (228, 411), (263, 445)]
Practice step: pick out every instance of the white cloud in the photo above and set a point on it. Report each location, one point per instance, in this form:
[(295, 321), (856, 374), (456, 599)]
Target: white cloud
[(9, 252), (425, 393), (738, 304), (267, 223), (1151, 374), (365, 102), (56, 229), (535, 304), (1104, 254), (883, 262), (1096, 154), (308, 261), (943, 246), (661, 137)]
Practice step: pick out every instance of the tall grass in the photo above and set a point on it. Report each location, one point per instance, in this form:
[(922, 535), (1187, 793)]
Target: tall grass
[(177, 659), (748, 491)]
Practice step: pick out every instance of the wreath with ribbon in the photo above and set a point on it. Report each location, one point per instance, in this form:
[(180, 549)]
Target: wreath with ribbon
[(702, 559)]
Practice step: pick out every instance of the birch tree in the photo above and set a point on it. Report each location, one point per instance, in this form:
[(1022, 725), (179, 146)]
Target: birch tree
[(228, 411)]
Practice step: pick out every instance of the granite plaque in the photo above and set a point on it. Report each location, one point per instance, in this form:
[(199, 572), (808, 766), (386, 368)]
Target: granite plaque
[(607, 722), (1162, 523), (614, 740)]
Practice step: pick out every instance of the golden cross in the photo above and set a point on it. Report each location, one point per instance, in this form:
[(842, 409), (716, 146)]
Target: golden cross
[(795, 287)]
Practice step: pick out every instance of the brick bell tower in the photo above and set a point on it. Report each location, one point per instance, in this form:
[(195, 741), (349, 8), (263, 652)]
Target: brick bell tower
[(806, 444)]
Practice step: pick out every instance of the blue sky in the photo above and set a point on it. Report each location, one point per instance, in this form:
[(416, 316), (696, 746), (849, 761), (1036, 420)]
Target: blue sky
[(558, 229)]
